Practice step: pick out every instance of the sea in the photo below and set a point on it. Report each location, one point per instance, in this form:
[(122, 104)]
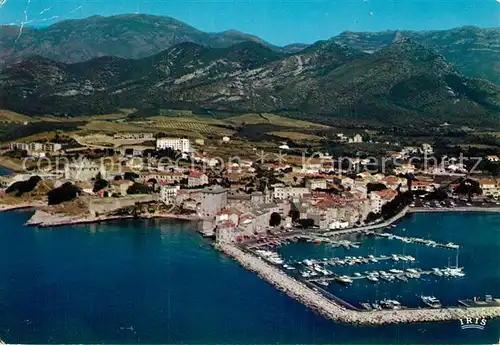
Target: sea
[(158, 281)]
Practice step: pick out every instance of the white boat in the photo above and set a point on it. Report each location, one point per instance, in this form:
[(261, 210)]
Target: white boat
[(395, 257), (372, 278), (357, 274), (344, 279), (323, 282), (395, 271), (431, 301)]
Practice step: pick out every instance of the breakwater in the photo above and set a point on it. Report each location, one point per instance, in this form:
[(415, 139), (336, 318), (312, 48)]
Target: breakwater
[(333, 311)]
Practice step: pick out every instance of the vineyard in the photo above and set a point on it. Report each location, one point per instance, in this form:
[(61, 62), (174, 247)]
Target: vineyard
[(190, 125)]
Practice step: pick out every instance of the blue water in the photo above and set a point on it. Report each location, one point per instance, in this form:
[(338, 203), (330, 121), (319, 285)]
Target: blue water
[(477, 234), (4, 171), (159, 282)]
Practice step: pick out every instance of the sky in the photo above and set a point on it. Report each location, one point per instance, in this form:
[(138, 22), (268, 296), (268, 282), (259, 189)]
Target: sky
[(279, 22)]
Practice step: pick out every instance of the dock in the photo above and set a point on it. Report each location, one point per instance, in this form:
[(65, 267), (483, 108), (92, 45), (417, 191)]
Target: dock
[(364, 276), (337, 312), (431, 243), (469, 303)]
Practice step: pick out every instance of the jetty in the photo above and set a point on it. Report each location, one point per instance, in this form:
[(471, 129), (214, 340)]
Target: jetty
[(336, 312)]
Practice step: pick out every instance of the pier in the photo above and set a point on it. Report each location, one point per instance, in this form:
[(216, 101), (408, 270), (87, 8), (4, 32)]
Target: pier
[(431, 243), (364, 276), (336, 312)]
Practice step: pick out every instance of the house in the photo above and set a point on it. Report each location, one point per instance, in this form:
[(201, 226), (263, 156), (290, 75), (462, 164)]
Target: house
[(426, 186), (380, 198), (120, 187), (316, 184), (490, 187), (282, 193), (196, 178), (356, 139), (162, 177), (168, 194)]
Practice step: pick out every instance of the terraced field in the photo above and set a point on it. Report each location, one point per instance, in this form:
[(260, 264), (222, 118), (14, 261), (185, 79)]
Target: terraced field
[(190, 124), (253, 119), (296, 136)]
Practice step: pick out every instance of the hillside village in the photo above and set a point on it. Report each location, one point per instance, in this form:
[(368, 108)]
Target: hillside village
[(233, 200)]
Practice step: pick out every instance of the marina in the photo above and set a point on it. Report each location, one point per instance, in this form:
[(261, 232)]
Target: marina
[(375, 265), (333, 310)]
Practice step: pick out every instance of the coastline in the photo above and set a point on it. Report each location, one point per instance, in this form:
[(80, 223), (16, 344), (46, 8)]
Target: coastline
[(43, 219), (455, 209), (333, 311)]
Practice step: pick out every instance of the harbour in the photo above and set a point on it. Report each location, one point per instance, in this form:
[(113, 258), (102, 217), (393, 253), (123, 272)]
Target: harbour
[(80, 268), (333, 275)]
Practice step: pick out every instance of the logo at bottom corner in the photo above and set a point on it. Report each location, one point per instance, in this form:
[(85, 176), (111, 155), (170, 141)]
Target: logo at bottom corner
[(473, 323)]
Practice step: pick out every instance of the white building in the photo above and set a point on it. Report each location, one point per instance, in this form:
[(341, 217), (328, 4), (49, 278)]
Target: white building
[(36, 147), (168, 194), (197, 178), (283, 193), (356, 139), (177, 144), (316, 184)]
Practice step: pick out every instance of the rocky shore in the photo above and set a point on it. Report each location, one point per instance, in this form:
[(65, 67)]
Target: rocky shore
[(336, 312), (45, 219)]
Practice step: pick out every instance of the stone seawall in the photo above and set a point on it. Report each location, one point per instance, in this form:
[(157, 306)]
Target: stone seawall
[(334, 311)]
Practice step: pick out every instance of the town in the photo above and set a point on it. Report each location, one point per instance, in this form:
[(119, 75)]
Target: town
[(236, 199)]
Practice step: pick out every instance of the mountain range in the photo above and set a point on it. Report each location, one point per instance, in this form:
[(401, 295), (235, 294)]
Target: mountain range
[(99, 65), (404, 83), (473, 51)]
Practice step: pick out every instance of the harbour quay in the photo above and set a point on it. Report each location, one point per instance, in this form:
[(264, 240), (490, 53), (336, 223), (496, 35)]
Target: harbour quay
[(336, 312)]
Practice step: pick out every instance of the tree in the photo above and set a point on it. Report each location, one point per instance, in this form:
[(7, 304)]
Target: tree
[(21, 187), (130, 176), (139, 188), (275, 219), (99, 185), (294, 214), (374, 187), (66, 192)]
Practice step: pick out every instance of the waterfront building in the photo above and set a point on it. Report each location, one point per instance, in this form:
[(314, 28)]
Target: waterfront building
[(426, 186), (176, 144), (490, 187), (213, 199), (380, 198)]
